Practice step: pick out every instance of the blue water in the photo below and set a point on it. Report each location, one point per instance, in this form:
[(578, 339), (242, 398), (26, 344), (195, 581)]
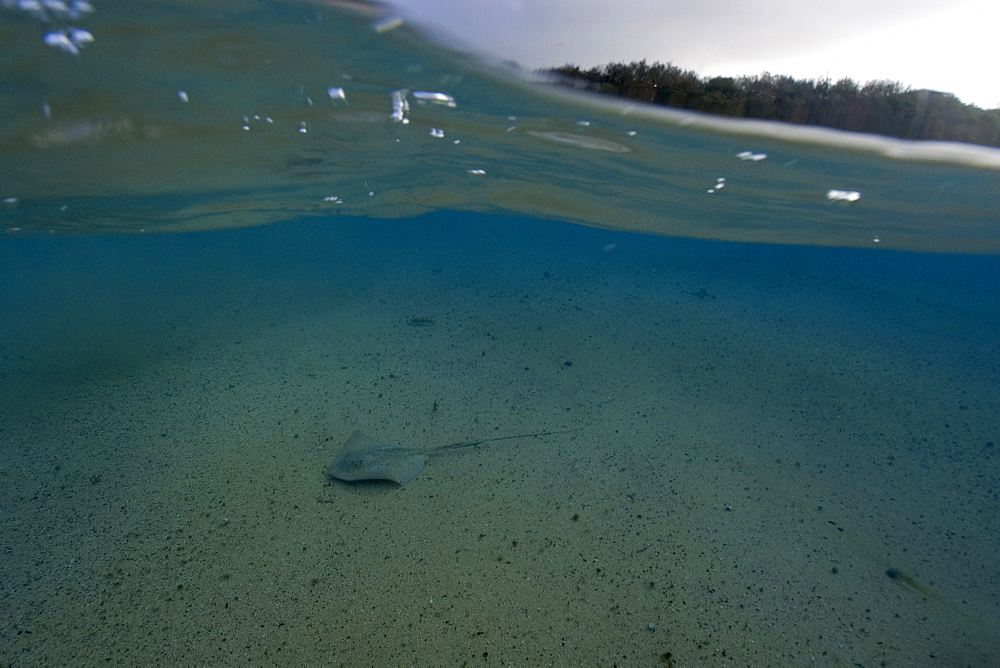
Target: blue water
[(769, 454), (764, 431)]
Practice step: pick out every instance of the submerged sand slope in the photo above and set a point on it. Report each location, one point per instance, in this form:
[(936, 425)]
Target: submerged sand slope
[(766, 435)]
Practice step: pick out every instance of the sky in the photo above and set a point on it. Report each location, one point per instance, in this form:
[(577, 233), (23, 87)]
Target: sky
[(946, 46)]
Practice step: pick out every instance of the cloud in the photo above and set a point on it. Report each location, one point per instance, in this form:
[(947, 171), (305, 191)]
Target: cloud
[(883, 36)]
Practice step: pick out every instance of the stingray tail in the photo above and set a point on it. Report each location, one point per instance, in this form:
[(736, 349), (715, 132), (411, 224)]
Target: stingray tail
[(454, 446)]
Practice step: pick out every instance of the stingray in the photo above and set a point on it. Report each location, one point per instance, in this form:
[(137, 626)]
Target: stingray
[(362, 458)]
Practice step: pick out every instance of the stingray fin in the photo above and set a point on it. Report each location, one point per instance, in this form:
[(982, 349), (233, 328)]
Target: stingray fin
[(405, 471)]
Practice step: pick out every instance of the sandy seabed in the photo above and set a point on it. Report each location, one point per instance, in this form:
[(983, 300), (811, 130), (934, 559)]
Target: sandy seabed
[(781, 455)]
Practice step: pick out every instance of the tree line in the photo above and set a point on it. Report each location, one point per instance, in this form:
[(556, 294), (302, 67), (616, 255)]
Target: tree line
[(882, 106)]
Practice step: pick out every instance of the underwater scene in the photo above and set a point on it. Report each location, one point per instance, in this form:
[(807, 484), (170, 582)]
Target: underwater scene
[(321, 343)]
